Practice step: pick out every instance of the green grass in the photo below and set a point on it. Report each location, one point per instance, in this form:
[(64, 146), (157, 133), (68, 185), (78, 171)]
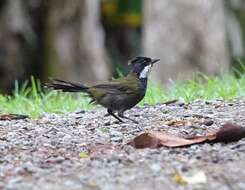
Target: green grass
[(31, 99)]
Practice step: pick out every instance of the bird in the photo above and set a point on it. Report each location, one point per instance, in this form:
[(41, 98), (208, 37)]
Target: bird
[(117, 95)]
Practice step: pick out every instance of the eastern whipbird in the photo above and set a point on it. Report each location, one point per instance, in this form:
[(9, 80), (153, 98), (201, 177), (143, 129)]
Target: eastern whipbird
[(117, 95)]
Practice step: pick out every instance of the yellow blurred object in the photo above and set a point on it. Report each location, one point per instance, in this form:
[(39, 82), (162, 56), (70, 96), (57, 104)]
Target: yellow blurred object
[(192, 177), (179, 179), (131, 19), (109, 8), (83, 155)]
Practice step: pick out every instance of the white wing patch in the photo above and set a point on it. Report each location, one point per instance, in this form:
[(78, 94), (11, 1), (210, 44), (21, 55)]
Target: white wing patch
[(144, 73)]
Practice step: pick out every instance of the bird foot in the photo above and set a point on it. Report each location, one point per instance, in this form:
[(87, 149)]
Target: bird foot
[(106, 115), (134, 121)]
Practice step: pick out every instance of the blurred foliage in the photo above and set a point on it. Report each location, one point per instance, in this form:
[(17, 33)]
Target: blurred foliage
[(238, 67), (122, 20), (122, 12)]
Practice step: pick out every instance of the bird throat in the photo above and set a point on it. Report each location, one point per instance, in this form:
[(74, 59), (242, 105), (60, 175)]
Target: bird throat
[(144, 73)]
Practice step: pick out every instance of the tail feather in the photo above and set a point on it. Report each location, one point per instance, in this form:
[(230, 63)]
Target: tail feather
[(66, 86)]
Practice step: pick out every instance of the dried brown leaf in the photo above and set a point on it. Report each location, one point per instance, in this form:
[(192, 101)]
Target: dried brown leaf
[(227, 133), (12, 116), (157, 139), (230, 132)]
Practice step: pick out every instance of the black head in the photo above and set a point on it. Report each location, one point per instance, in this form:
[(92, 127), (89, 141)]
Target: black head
[(142, 66)]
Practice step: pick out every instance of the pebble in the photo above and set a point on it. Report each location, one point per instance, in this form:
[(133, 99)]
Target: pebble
[(208, 122), (117, 139)]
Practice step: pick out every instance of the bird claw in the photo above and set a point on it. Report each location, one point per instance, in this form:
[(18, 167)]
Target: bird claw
[(134, 121), (106, 115)]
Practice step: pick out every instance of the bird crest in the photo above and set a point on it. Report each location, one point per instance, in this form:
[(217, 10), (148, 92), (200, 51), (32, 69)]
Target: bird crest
[(139, 59)]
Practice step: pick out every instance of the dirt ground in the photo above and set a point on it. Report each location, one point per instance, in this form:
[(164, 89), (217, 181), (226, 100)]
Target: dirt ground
[(88, 151)]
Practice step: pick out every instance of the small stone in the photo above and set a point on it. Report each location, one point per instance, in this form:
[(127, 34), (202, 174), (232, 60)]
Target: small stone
[(107, 123), (114, 133), (81, 112), (57, 160), (180, 103), (208, 122), (117, 139)]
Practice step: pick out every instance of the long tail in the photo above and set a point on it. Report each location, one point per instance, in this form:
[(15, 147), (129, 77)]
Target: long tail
[(66, 86)]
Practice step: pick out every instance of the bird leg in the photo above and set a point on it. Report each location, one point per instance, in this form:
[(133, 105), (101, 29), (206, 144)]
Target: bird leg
[(120, 114), (110, 112)]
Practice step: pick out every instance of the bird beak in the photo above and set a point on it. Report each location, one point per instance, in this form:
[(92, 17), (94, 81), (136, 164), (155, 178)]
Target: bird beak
[(154, 61)]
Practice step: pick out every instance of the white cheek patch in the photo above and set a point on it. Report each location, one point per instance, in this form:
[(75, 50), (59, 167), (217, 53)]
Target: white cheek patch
[(144, 73)]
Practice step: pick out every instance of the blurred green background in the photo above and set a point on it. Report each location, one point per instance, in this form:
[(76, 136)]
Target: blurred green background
[(91, 40)]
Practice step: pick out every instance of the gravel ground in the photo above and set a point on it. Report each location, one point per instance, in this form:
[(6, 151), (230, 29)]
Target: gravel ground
[(88, 151)]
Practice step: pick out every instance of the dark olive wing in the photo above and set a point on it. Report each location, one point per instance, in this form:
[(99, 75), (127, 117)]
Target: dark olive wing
[(117, 94), (109, 89), (125, 85)]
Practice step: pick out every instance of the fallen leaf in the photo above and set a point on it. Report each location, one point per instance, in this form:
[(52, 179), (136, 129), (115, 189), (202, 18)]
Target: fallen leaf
[(146, 140), (158, 139), (194, 177), (154, 139), (12, 116), (83, 155), (230, 132), (104, 130), (179, 179)]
